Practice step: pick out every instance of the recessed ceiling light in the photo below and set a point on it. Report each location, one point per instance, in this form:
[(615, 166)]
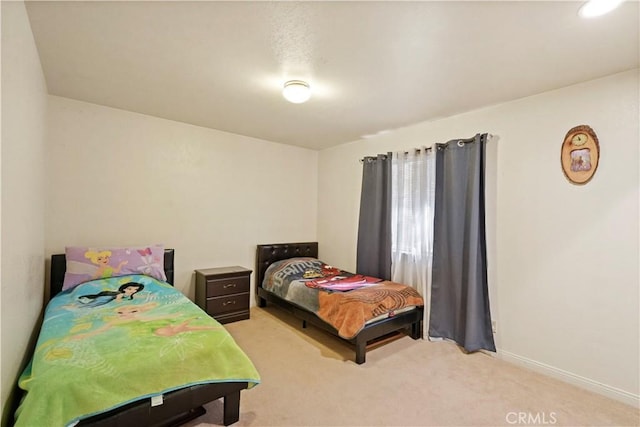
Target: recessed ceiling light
[(594, 8), (296, 91)]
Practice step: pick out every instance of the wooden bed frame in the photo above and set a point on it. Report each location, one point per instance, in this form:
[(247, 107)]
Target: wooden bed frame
[(178, 406), (270, 253)]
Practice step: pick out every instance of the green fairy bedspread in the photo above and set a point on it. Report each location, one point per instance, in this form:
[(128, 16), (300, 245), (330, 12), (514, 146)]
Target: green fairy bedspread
[(113, 341)]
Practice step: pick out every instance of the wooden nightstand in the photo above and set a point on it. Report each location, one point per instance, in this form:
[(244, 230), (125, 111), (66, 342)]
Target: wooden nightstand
[(224, 292)]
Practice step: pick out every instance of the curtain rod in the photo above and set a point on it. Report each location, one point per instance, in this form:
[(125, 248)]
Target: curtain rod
[(459, 141)]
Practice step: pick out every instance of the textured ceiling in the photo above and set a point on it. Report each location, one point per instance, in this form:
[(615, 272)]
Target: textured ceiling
[(373, 66)]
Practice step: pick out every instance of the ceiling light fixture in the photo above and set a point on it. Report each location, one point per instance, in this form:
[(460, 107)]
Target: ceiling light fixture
[(594, 8), (296, 91)]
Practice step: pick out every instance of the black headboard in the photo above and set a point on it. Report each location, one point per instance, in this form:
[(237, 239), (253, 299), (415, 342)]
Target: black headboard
[(59, 266), (268, 254)]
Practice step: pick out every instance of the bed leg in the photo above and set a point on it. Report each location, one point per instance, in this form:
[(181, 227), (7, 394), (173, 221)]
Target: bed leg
[(304, 324), (262, 303), (416, 330), (361, 351), (231, 408)]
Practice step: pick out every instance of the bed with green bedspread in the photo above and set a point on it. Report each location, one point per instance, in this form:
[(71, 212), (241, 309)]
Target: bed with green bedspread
[(110, 342)]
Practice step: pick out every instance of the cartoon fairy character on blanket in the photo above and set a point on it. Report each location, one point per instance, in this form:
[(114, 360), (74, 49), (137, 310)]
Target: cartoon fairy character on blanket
[(136, 316), (125, 291)]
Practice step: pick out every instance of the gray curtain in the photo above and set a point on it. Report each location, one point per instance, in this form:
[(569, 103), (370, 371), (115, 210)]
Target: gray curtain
[(374, 226), (460, 296)]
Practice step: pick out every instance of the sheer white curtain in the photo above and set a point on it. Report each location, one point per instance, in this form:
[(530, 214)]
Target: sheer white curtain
[(412, 207)]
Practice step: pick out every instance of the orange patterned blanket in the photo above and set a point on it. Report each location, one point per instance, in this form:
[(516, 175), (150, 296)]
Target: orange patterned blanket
[(348, 312)]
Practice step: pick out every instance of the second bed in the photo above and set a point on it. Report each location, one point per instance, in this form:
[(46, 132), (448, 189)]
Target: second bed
[(356, 308)]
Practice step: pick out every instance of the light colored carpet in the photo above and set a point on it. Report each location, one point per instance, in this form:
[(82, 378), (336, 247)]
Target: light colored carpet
[(309, 379)]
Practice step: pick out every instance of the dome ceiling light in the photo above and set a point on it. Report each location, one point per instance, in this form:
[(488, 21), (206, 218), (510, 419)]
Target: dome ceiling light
[(296, 91)]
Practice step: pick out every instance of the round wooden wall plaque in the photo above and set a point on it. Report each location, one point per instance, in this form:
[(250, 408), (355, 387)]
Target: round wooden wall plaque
[(580, 154)]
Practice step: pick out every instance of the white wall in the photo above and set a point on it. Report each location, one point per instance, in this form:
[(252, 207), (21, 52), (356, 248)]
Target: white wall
[(122, 178), (22, 209), (563, 259)]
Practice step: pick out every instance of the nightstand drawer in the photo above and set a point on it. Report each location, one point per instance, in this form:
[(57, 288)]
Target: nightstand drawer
[(228, 303), (230, 285)]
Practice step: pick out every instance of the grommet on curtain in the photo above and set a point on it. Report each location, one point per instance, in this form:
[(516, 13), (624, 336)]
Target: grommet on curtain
[(460, 143), (371, 159)]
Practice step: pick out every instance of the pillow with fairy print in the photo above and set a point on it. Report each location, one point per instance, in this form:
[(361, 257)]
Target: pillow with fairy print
[(85, 263)]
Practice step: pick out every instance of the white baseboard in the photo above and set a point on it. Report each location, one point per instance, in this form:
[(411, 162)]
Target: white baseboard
[(583, 382)]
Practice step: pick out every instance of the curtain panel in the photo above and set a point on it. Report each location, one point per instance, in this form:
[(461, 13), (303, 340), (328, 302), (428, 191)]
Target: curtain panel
[(460, 296), (412, 208), (374, 225)]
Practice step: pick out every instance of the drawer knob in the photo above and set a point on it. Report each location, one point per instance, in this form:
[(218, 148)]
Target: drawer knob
[(229, 285), (228, 302)]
